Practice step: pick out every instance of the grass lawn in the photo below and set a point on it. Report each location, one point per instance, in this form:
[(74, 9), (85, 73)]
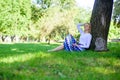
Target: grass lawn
[(31, 61)]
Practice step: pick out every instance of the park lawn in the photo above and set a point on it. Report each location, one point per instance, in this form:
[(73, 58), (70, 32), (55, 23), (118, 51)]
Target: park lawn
[(31, 61)]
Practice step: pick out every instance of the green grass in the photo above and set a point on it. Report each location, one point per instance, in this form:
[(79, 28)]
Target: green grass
[(31, 61)]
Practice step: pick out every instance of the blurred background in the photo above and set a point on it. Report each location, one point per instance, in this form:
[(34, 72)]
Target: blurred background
[(48, 20)]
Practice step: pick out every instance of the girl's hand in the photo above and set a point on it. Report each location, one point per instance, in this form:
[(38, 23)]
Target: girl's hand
[(74, 44)]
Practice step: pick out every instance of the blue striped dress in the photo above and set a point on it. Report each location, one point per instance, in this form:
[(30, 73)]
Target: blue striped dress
[(68, 44)]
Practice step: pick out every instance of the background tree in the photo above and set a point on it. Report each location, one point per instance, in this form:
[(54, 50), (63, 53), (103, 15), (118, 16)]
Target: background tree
[(15, 17), (116, 13), (40, 20), (57, 19), (114, 32), (100, 21)]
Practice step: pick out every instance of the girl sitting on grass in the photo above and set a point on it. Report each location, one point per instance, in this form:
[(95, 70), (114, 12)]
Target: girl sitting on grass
[(70, 44)]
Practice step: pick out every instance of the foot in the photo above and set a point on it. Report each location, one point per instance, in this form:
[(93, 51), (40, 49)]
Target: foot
[(49, 50)]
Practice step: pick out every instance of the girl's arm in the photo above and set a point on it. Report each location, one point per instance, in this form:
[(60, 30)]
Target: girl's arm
[(79, 28)]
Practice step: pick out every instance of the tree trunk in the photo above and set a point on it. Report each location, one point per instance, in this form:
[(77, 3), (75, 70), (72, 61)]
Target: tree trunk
[(100, 22)]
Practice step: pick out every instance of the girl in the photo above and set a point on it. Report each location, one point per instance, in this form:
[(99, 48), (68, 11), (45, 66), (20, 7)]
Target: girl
[(70, 43)]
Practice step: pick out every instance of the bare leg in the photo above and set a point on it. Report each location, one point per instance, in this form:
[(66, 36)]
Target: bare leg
[(61, 47)]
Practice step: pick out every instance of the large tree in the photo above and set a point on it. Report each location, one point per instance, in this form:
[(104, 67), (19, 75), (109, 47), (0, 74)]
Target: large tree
[(100, 22)]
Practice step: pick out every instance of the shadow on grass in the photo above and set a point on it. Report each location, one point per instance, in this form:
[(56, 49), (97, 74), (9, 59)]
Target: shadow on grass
[(23, 48)]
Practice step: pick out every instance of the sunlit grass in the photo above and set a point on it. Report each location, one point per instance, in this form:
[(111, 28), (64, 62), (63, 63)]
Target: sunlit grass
[(22, 58), (103, 70), (31, 61)]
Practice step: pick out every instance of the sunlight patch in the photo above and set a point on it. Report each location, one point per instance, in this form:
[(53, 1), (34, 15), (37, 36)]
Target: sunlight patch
[(14, 49), (109, 61), (23, 57), (103, 70)]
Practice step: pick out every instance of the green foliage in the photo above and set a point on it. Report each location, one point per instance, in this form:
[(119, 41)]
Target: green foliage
[(114, 32), (31, 61), (116, 13), (15, 16), (47, 19), (59, 19)]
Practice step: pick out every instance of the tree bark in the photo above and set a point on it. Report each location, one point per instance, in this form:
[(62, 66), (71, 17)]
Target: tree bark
[(100, 22)]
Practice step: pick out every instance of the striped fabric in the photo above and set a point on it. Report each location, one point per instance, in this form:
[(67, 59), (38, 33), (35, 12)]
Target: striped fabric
[(68, 44)]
